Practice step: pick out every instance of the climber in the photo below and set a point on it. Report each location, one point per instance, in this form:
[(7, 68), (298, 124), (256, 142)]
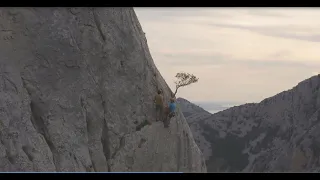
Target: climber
[(159, 105), (170, 112)]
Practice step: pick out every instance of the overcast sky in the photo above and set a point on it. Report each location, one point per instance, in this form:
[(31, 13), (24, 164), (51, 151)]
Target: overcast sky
[(239, 54)]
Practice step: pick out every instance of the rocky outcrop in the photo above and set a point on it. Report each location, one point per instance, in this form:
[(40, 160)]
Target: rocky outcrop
[(194, 115), (279, 134), (76, 94)]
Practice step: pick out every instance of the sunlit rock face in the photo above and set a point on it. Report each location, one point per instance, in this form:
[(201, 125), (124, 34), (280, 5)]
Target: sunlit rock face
[(76, 94)]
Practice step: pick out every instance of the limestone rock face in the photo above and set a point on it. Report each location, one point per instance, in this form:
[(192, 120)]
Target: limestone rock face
[(279, 134), (76, 94)]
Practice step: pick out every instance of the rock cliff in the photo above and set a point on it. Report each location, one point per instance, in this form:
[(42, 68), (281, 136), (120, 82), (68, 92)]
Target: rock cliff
[(279, 134), (76, 94)]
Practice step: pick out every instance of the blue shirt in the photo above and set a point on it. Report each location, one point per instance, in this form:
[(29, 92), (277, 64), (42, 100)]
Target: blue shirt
[(172, 107)]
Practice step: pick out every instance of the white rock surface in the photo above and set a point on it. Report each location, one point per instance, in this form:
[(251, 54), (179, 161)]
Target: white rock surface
[(76, 94)]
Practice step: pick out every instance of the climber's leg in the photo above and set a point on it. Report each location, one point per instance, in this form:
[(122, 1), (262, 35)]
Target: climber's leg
[(157, 112), (166, 121), (165, 115), (169, 119), (160, 113)]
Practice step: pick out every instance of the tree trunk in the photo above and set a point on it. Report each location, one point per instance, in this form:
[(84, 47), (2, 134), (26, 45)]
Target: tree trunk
[(174, 95)]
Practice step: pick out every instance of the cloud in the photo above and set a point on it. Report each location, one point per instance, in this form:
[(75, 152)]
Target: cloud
[(239, 54), (199, 58), (271, 23), (284, 31), (265, 13), (178, 14), (170, 14)]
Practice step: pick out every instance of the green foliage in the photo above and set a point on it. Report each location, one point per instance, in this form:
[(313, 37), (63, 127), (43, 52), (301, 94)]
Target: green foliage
[(184, 79)]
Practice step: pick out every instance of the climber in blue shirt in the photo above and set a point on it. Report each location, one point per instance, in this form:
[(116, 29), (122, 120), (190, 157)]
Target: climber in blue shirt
[(172, 105), (170, 112)]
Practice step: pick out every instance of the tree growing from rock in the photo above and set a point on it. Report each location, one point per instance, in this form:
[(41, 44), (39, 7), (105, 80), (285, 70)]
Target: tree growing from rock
[(184, 79)]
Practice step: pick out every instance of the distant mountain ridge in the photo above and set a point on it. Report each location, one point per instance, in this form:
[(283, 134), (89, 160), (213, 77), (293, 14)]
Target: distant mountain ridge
[(189, 108), (279, 134)]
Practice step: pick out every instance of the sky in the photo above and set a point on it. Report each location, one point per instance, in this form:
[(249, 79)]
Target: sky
[(239, 54)]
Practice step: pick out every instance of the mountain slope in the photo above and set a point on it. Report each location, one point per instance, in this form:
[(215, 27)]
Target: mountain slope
[(193, 115), (77, 88), (279, 134), (191, 111)]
